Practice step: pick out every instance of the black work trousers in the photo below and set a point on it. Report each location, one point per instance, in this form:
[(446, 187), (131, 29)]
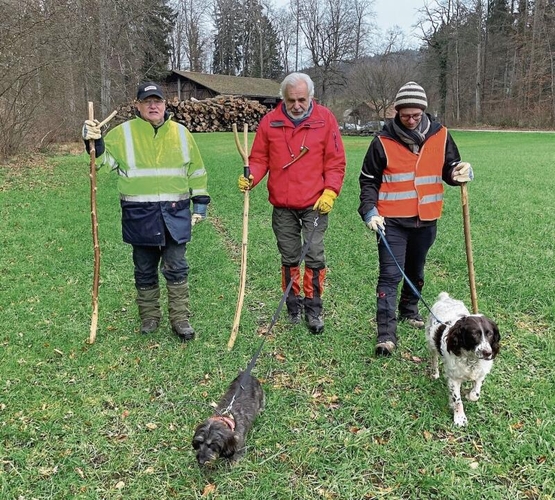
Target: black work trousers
[(169, 258), (410, 246)]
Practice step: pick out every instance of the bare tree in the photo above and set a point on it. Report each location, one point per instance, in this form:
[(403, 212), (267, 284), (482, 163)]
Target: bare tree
[(362, 12), (377, 79), (190, 34), (284, 22), (329, 36)]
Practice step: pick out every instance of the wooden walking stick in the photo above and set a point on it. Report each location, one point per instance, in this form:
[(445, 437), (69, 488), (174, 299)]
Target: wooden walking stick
[(94, 223), (244, 152), (468, 242)]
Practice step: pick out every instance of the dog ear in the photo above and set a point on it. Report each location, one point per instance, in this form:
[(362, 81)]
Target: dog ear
[(197, 441), (496, 337), (199, 436), (230, 446), (455, 337)]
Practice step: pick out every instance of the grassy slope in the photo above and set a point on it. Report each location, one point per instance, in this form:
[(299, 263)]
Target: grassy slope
[(115, 419)]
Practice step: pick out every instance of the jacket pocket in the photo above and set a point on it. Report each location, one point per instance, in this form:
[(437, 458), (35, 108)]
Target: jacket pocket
[(142, 223), (177, 216)]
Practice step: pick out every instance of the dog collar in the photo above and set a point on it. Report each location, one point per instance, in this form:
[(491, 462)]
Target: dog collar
[(229, 421)]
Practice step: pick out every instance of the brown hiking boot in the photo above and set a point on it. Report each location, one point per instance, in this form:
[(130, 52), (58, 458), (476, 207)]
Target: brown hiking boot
[(414, 321), (149, 325), (385, 348), (315, 323), (183, 330)]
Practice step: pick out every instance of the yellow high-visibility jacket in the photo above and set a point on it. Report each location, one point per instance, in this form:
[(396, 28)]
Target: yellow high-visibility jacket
[(160, 172)]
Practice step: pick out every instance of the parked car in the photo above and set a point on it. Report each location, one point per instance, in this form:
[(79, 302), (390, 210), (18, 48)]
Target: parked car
[(349, 126), (373, 126)]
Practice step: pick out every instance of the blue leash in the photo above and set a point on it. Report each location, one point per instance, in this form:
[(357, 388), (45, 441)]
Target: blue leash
[(407, 280), (275, 317)]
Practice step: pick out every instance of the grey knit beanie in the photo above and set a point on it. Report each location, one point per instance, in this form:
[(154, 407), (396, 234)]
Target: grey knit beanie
[(411, 95)]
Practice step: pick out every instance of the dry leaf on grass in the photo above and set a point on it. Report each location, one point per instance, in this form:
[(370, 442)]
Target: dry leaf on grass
[(208, 489)]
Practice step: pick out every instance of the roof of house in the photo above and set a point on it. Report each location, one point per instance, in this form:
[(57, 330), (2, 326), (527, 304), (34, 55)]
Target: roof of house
[(234, 85)]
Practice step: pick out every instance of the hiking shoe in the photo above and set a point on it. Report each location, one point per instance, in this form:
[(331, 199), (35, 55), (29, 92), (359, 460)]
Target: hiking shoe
[(149, 325), (315, 323), (385, 348), (183, 330), (295, 317), (415, 322)]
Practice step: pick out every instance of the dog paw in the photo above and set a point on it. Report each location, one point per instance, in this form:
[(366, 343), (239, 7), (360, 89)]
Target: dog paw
[(435, 375), (460, 420), (473, 396)]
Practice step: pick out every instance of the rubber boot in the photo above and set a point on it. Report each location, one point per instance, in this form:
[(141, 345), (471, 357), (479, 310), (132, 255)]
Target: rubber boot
[(313, 284), (293, 301), (148, 301), (178, 308)]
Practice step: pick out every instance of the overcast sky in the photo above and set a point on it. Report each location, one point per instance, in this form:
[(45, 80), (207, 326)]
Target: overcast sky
[(403, 13), (389, 13)]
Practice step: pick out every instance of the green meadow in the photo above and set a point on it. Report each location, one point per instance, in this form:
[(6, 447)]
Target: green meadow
[(114, 419)]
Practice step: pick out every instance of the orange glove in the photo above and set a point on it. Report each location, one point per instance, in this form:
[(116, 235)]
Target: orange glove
[(324, 204)]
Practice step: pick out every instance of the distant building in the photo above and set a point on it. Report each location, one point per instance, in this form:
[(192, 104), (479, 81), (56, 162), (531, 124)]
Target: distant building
[(188, 84), (366, 111)]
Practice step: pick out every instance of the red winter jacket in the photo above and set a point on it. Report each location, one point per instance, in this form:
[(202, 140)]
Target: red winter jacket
[(278, 142)]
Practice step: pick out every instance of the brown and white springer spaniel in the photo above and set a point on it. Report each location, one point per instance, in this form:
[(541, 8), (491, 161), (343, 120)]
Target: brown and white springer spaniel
[(467, 343)]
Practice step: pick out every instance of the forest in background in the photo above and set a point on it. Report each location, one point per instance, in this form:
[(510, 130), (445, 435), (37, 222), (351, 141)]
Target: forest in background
[(482, 62)]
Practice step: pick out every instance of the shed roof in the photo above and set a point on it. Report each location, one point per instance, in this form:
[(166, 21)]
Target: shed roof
[(234, 85)]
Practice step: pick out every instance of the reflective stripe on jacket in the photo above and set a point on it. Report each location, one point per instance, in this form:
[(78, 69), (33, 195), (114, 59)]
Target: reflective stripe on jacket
[(159, 169), (412, 183), (155, 164)]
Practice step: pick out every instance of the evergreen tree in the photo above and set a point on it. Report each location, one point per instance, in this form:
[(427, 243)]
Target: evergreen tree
[(229, 25), (263, 59), (156, 29)]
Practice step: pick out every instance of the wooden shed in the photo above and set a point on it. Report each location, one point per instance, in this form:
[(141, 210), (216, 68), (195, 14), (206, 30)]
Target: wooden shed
[(188, 84)]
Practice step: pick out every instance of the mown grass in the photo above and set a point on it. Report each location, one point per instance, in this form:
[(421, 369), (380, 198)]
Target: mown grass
[(115, 419)]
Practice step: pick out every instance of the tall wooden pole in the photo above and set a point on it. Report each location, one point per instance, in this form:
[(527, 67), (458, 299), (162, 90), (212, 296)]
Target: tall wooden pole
[(96, 245), (244, 152), (468, 243)]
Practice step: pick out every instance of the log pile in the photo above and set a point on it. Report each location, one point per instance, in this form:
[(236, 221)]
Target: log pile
[(215, 114)]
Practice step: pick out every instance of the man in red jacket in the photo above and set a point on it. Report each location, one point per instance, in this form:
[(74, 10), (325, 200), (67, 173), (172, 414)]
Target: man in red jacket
[(299, 146)]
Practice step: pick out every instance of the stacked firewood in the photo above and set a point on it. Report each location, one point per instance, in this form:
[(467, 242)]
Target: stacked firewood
[(215, 114)]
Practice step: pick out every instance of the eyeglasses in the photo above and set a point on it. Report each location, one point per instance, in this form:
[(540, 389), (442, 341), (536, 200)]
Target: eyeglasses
[(414, 117), (149, 102)]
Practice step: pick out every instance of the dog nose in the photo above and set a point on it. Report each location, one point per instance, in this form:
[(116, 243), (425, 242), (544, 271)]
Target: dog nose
[(486, 354)]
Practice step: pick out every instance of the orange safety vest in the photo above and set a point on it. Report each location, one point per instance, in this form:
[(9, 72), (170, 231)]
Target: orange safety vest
[(411, 183)]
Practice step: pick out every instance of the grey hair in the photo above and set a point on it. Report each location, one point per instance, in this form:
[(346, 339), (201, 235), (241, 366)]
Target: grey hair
[(293, 79)]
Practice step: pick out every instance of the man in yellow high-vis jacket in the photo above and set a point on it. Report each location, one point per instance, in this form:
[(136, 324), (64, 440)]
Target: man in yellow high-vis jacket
[(161, 173)]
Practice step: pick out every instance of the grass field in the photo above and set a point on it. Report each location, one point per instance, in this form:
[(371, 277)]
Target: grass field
[(115, 419)]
